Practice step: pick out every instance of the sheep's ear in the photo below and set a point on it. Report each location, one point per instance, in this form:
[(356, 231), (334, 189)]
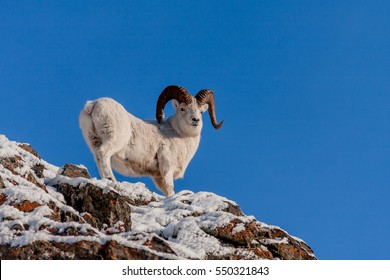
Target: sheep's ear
[(204, 108), (175, 104)]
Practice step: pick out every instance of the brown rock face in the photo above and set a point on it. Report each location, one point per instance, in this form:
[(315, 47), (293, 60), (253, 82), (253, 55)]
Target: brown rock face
[(26, 206), (28, 148), (11, 163), (49, 212), (1, 183), (254, 236), (101, 210), (82, 250), (74, 171)]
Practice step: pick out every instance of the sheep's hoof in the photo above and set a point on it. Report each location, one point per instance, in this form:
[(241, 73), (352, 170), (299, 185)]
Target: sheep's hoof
[(168, 194), (114, 184)]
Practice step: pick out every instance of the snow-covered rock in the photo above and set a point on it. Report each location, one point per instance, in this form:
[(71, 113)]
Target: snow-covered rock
[(47, 212)]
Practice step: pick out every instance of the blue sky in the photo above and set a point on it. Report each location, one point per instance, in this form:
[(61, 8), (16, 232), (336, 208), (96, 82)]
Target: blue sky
[(303, 87)]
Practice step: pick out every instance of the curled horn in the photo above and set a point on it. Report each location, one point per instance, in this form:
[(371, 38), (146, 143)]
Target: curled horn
[(207, 96), (169, 93)]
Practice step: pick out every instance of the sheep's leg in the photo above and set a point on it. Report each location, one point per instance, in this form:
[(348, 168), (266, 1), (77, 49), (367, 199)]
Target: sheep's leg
[(103, 160), (165, 185), (169, 187), (165, 182)]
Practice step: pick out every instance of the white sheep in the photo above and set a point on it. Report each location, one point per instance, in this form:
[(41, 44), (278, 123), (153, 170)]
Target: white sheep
[(135, 147)]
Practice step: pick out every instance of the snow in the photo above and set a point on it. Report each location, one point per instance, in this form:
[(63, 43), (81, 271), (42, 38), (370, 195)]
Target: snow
[(181, 219), (137, 191), (238, 228), (190, 241), (22, 193), (10, 212), (6, 150)]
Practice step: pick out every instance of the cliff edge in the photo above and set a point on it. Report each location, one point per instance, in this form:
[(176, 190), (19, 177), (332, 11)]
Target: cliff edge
[(50, 212)]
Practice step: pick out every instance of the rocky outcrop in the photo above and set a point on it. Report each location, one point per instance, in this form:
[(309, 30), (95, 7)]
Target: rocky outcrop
[(101, 210), (81, 250), (47, 212)]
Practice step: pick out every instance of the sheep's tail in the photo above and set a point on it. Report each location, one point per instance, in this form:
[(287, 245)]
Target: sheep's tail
[(88, 108), (88, 127)]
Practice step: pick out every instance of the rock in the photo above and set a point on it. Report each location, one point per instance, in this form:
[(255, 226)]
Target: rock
[(15, 164), (61, 213), (159, 245), (38, 170), (256, 237), (26, 206), (233, 209), (33, 179), (43, 250), (2, 186), (103, 210), (82, 250), (28, 148), (3, 198), (11, 163), (243, 237), (112, 250), (74, 171)]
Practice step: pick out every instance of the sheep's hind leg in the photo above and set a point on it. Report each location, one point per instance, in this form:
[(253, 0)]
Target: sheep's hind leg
[(103, 160)]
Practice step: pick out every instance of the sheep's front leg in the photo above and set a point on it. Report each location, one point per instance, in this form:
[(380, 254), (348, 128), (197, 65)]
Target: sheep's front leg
[(165, 182), (164, 185)]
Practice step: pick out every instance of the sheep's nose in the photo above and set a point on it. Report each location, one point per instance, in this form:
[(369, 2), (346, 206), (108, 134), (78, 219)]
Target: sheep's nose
[(195, 119)]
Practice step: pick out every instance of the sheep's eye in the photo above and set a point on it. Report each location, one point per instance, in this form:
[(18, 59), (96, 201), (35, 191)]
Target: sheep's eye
[(182, 109)]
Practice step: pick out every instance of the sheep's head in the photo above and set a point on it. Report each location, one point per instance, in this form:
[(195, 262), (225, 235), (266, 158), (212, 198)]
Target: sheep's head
[(189, 108)]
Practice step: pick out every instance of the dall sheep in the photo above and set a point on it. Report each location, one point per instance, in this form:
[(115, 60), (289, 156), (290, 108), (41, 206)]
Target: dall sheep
[(135, 147)]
